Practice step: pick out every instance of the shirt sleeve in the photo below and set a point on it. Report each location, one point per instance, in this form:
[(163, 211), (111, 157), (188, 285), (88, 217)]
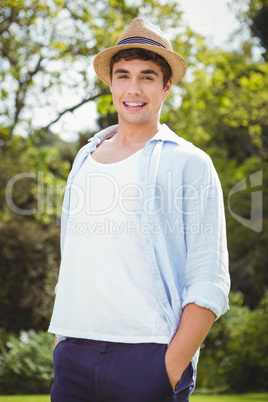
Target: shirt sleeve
[(207, 279)]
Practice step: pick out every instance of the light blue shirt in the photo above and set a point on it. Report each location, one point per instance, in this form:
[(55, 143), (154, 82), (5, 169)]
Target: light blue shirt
[(182, 222)]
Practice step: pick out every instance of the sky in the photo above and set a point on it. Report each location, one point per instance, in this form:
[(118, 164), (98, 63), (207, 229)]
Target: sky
[(211, 18)]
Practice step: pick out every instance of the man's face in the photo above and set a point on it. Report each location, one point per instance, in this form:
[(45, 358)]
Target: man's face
[(138, 92)]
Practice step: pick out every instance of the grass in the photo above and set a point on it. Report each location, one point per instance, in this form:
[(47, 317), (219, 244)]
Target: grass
[(229, 398), (25, 398), (193, 398)]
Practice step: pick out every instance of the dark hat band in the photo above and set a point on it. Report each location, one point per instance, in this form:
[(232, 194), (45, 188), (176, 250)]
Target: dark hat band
[(139, 40)]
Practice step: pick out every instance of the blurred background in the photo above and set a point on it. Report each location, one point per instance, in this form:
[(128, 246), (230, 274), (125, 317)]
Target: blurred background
[(51, 103)]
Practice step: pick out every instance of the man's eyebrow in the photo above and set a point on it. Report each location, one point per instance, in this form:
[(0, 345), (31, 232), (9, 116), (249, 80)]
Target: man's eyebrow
[(149, 72), (123, 71)]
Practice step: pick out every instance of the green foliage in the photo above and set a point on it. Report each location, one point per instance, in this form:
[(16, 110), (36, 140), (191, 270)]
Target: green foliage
[(26, 363), (247, 365), (29, 262), (25, 398), (33, 176), (234, 355), (255, 16), (225, 105)]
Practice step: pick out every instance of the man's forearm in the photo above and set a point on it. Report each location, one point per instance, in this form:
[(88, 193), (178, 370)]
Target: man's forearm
[(194, 326)]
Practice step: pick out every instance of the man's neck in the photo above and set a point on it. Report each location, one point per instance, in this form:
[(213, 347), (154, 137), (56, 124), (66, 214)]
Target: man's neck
[(135, 133), (129, 139)]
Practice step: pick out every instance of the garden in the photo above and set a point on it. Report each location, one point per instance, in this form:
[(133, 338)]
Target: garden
[(221, 107)]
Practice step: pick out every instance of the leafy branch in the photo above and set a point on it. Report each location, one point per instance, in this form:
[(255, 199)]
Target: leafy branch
[(73, 108)]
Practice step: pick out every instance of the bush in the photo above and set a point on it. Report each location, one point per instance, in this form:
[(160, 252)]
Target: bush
[(235, 354), (246, 367), (29, 262), (26, 363)]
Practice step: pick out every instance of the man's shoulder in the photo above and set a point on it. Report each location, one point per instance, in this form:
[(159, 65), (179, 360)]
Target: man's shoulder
[(103, 134), (94, 141), (179, 145)]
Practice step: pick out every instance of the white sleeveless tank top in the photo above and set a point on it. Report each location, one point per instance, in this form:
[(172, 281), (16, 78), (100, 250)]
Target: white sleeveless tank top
[(104, 290)]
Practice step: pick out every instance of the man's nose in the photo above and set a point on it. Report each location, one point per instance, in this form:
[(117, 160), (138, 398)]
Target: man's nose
[(134, 87)]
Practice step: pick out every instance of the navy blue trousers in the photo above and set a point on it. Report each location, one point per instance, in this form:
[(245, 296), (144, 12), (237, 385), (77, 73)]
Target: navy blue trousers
[(93, 371)]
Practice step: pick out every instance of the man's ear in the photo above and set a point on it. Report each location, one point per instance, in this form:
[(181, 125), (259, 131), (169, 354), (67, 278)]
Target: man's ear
[(167, 87), (110, 85)]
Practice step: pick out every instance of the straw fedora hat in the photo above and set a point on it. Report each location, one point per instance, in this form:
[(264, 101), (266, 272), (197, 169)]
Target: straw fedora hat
[(141, 34)]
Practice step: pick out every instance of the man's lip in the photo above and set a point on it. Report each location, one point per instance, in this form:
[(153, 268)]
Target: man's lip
[(135, 104)]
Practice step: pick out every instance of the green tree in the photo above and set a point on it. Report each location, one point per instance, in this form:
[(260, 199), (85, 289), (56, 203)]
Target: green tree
[(254, 16)]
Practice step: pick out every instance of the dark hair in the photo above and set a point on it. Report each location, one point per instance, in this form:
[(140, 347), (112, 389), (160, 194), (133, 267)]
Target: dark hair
[(142, 54)]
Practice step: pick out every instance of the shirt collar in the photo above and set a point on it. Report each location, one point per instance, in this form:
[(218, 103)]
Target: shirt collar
[(104, 134), (164, 134)]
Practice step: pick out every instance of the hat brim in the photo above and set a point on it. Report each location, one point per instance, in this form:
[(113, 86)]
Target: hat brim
[(102, 61)]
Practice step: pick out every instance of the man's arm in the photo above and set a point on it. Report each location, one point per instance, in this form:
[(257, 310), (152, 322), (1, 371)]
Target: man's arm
[(194, 326)]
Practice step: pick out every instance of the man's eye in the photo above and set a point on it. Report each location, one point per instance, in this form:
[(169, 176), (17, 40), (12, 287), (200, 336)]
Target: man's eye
[(122, 76), (147, 78)]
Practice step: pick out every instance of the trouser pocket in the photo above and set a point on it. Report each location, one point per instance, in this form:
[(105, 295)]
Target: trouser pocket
[(185, 385)]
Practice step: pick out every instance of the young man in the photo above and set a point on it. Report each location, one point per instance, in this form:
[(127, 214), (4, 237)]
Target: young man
[(144, 269)]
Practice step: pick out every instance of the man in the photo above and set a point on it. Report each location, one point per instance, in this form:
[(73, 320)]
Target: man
[(144, 269)]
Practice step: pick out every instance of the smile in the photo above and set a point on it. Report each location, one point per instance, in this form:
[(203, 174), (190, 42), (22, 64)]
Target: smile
[(134, 104)]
